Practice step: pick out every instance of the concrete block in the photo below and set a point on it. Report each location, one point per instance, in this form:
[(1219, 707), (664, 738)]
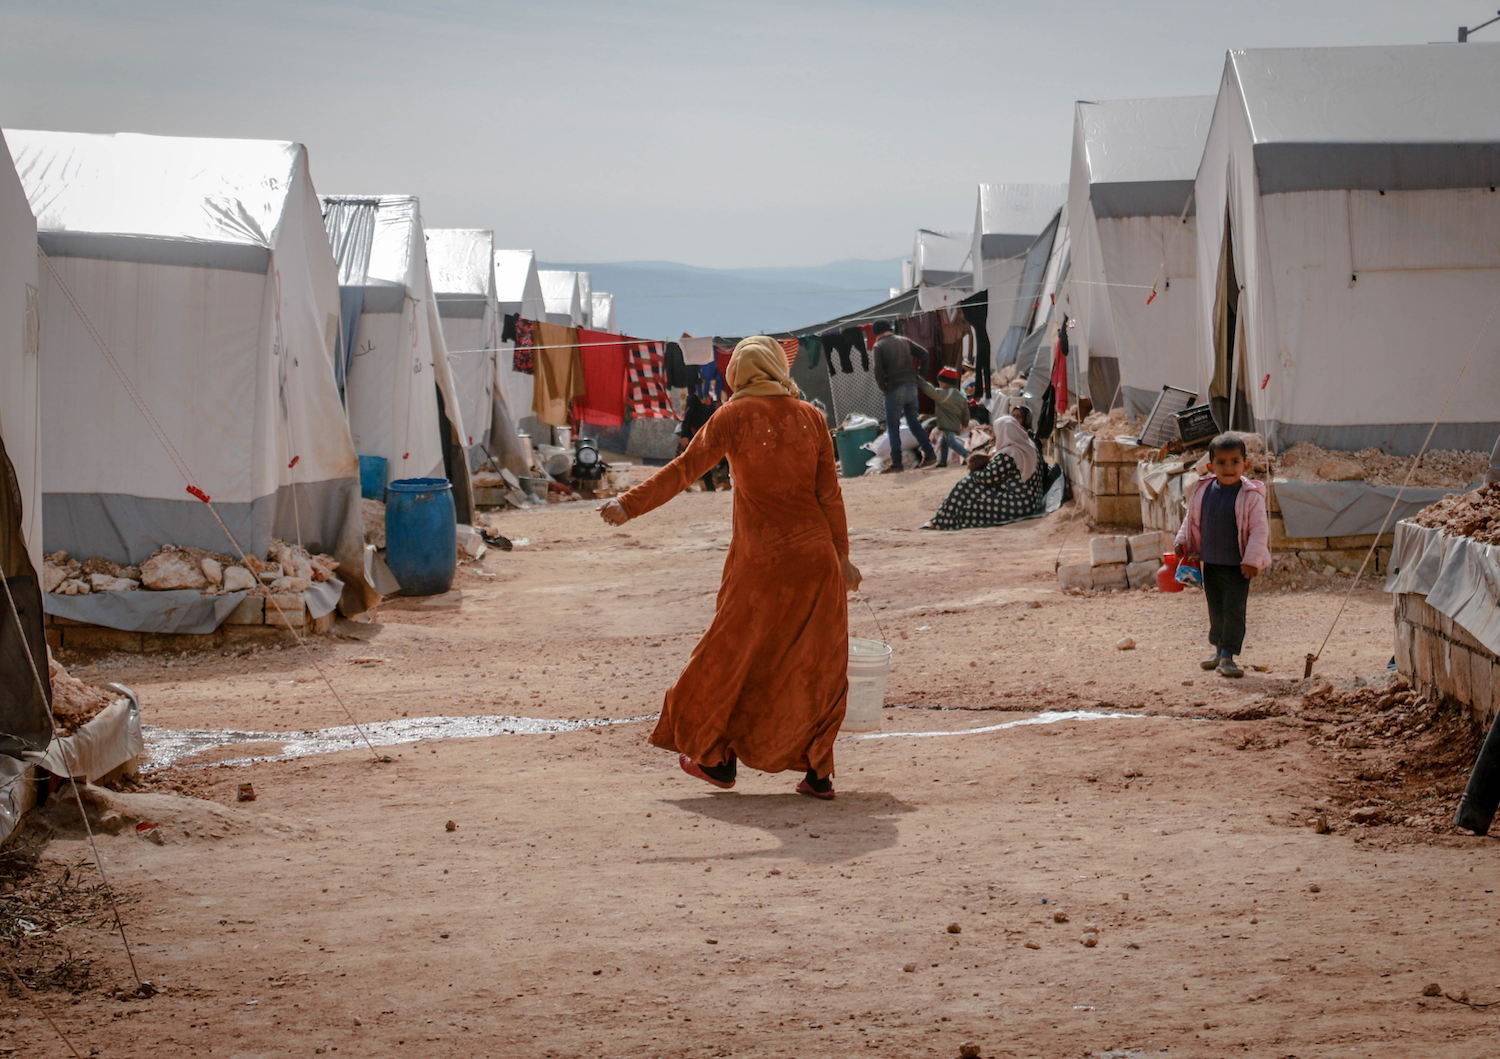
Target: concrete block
[(1142, 574), (1280, 542), (1383, 560), (55, 639), (324, 625), (286, 611), (1119, 510), (1421, 656), (1125, 483), (489, 496), (1273, 506), (1108, 452), (1112, 549), (1361, 541), (1075, 575), (1147, 546), (67, 623), (93, 638), (1111, 576), (251, 611), (1483, 681), (1103, 480), (258, 634), (1405, 633)]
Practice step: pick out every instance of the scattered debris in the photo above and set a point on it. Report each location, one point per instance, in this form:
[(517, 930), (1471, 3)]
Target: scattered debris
[(1127, 644), (1306, 462), (954, 928), (1475, 515), (450, 826)]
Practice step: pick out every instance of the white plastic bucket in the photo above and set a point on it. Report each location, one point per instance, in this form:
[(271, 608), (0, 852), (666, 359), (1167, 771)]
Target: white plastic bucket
[(869, 665)]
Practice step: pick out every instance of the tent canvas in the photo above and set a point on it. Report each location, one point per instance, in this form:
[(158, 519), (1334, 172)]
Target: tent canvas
[(1133, 166), (25, 708), (399, 371), (586, 299), (562, 297), (604, 313), (1348, 194), (204, 266), (1007, 220), (941, 269), (1032, 307), (462, 263)]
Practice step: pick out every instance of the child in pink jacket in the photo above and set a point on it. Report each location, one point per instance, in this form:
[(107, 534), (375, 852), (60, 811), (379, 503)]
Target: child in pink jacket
[(1228, 531)]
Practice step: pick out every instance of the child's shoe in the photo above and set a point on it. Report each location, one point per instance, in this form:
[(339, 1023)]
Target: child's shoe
[(1227, 668)]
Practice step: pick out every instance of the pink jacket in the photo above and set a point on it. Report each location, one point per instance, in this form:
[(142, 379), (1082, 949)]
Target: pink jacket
[(1249, 513)]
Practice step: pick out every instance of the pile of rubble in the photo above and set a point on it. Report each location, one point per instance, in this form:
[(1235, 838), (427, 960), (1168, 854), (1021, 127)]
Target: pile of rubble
[(1474, 515), (75, 703), (287, 569), (1301, 571), (1113, 424), (1306, 462), (1117, 563)]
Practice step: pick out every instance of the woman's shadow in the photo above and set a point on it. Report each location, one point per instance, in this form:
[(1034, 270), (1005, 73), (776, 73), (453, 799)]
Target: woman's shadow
[(812, 831)]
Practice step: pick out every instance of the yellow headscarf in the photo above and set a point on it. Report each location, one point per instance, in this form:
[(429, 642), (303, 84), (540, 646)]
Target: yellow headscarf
[(758, 368)]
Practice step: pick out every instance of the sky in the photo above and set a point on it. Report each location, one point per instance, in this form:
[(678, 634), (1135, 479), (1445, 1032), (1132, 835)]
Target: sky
[(722, 135)]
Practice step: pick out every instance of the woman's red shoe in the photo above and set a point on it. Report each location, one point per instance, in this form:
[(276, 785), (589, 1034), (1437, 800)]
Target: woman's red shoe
[(691, 768), (803, 787)]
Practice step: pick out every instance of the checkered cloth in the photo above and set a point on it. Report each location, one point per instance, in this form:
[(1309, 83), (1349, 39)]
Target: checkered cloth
[(647, 381)]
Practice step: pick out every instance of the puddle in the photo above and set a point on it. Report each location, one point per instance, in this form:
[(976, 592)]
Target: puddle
[(168, 746), (1045, 717)]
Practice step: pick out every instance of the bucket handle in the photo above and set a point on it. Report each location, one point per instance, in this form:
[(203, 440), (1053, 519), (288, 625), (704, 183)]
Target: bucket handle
[(861, 597)]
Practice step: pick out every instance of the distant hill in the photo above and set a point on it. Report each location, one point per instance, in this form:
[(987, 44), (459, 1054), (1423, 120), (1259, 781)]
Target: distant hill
[(663, 299)]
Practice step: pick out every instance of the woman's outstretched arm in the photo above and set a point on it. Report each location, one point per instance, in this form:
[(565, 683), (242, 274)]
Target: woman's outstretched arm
[(705, 450)]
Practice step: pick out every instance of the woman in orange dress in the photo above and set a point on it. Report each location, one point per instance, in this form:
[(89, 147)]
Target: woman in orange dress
[(767, 684)]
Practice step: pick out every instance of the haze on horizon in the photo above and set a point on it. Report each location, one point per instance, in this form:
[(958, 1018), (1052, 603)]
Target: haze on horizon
[(758, 134)]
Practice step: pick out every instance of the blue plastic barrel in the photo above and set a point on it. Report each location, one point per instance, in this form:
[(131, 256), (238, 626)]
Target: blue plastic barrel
[(372, 477), (421, 535)]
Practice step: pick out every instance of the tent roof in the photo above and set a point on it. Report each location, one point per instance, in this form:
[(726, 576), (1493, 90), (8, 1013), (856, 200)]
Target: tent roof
[(941, 258), (397, 223), (1396, 117), (1010, 216), (461, 261), (161, 199), (512, 269), (559, 290), (1142, 155)]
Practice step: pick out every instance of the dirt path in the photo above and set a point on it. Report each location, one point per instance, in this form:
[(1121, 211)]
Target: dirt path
[(593, 901)]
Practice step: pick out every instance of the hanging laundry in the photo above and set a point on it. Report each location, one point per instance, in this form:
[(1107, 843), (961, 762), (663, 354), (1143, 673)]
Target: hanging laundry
[(869, 330), (791, 347), (603, 358), (857, 344), (810, 349), (1060, 365), (697, 350), (648, 381), (522, 360), (953, 330), (679, 372), (508, 327), (708, 388), (722, 353), (923, 330), (559, 373), (837, 342), (977, 312)]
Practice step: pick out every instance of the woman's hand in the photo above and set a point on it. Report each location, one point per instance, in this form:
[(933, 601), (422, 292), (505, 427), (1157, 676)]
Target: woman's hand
[(1248, 571), (978, 462), (613, 512), (852, 576)]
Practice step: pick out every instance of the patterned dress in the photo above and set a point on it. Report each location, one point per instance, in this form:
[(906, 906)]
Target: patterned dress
[(992, 496)]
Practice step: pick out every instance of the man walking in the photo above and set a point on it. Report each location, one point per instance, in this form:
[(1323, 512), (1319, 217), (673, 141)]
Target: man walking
[(897, 376)]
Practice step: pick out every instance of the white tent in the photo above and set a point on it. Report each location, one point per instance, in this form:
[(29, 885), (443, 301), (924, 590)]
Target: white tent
[(563, 298), (20, 365), (1361, 258), (1008, 218), (586, 298), (204, 267), (462, 263), (397, 360), (604, 313), (1132, 179), (1043, 267), (941, 269)]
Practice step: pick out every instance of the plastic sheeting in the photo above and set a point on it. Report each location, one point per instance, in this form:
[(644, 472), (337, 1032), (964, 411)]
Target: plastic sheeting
[(182, 611), (1007, 219), (17, 793), (1360, 301), (106, 742), (1459, 576), (1133, 166), (1346, 509), (604, 313), (941, 259), (235, 365)]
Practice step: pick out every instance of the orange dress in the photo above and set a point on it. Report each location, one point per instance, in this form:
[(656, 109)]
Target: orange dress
[(769, 680)]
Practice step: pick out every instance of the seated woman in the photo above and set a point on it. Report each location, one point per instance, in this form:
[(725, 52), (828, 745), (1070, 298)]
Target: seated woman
[(1001, 488)]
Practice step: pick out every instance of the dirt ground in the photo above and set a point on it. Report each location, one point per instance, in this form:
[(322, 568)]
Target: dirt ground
[(948, 896)]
